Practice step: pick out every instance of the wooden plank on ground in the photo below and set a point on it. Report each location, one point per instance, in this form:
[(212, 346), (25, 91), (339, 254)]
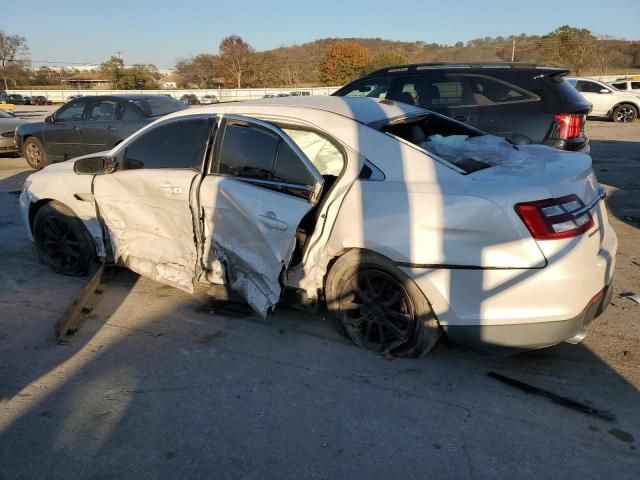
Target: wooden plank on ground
[(73, 317)]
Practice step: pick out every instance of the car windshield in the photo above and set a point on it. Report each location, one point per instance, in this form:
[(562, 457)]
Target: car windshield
[(158, 106)]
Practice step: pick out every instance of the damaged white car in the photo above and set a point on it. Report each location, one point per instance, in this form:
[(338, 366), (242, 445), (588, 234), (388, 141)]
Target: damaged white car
[(404, 222)]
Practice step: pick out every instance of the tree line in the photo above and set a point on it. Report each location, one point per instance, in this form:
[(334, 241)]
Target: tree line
[(334, 61)]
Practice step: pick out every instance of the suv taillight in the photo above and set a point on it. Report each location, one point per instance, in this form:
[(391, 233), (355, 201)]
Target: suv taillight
[(569, 125), (555, 218)]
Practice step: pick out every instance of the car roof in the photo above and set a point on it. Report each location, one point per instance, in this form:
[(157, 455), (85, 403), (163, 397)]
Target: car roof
[(466, 66), (363, 110)]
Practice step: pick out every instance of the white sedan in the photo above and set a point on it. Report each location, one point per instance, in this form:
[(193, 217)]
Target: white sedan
[(404, 222)]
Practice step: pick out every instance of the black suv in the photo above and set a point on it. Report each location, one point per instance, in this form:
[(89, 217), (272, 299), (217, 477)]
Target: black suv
[(522, 102)]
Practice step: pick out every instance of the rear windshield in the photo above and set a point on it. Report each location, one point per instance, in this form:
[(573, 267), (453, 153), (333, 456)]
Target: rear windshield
[(158, 106), (463, 146), (566, 91)]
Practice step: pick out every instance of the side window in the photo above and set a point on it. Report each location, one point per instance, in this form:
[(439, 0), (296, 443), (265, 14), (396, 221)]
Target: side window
[(251, 151), (488, 91), (322, 153), (430, 91), (588, 87), (102, 111), (175, 144), (635, 85), (72, 112), (373, 88), (248, 151), (128, 113), (289, 168), (620, 86)]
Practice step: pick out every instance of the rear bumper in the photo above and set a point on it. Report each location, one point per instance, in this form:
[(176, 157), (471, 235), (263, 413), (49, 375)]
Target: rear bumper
[(531, 336)]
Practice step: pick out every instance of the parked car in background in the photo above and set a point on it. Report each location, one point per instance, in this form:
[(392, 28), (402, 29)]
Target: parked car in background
[(16, 99), (190, 99), (300, 93), (629, 86), (607, 101), (8, 125), (524, 103), (41, 100), (269, 95), (342, 199), (208, 100), (27, 100), (72, 97), (89, 124), (3, 94)]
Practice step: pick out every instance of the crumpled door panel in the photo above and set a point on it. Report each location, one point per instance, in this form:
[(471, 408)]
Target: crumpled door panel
[(252, 231)]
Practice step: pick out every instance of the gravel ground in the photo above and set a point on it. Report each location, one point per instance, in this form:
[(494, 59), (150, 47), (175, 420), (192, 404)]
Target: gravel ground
[(159, 384)]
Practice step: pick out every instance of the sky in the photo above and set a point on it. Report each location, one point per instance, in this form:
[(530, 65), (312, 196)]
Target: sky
[(161, 31)]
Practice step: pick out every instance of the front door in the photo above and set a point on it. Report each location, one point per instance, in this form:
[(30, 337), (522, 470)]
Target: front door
[(259, 189), (63, 136), (597, 95), (100, 129), (146, 203)]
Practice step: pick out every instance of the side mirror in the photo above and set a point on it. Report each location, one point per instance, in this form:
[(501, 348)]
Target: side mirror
[(94, 166), (604, 90), (49, 119)]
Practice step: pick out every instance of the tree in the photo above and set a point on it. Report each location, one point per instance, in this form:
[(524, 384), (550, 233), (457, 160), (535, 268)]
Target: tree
[(13, 49), (342, 62), (113, 70), (236, 57), (140, 77), (203, 70), (571, 47)]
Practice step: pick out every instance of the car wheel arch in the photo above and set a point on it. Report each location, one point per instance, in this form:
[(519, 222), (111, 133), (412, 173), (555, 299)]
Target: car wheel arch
[(625, 103)]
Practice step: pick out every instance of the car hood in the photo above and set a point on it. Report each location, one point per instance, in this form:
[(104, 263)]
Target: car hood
[(8, 124)]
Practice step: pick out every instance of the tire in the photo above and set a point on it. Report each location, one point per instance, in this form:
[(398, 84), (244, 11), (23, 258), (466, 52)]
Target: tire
[(62, 241), (625, 113), (35, 154), (388, 314)]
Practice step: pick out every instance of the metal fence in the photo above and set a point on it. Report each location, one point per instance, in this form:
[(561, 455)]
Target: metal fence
[(222, 94)]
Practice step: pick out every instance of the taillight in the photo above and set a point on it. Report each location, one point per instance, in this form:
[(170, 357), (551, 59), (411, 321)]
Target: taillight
[(555, 218), (569, 125)]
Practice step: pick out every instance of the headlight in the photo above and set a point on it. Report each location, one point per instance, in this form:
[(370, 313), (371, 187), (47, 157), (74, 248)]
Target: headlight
[(8, 134), (26, 185)]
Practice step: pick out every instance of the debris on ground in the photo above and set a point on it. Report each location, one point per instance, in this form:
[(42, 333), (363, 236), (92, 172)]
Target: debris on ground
[(631, 296), (82, 305), (564, 401)]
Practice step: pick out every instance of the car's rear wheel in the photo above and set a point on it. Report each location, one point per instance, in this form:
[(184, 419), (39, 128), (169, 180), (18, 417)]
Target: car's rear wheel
[(379, 307), (35, 154), (62, 241), (624, 113)]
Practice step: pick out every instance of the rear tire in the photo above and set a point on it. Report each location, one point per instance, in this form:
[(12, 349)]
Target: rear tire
[(35, 154), (381, 309), (62, 241), (625, 113)]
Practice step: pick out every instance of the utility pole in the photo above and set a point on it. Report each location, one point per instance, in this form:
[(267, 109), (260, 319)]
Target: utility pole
[(513, 49), (119, 53)]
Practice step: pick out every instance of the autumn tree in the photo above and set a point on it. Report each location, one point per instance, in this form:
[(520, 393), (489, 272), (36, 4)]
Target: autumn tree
[(236, 57), (384, 60), (13, 51), (342, 62)]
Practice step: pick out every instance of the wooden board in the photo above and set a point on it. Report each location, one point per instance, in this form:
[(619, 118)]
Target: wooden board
[(73, 317)]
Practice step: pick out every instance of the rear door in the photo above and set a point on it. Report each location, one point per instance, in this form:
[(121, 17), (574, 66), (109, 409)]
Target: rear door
[(63, 136), (101, 126), (258, 191)]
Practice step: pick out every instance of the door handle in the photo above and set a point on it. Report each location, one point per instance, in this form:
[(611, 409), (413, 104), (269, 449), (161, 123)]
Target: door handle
[(170, 189), (270, 220)]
